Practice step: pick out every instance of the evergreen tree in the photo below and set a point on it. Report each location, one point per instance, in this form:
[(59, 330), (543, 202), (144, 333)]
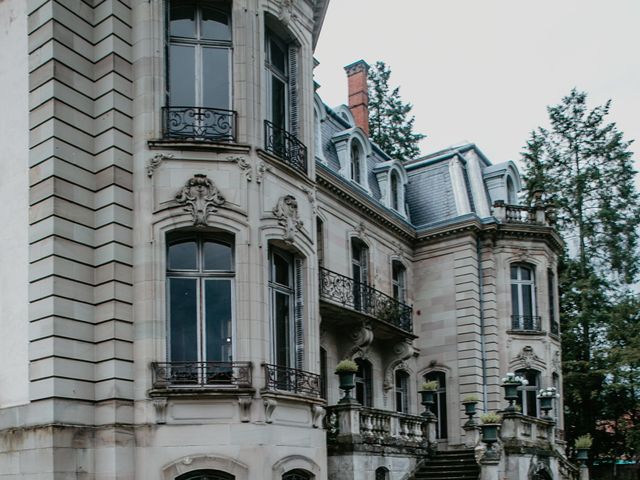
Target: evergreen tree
[(585, 168), (390, 125)]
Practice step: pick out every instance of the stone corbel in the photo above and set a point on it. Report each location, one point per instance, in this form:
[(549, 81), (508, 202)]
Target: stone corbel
[(200, 198), (270, 405), (317, 414), (160, 406), (155, 162), (244, 166), (402, 351), (286, 211), (362, 339), (244, 402)]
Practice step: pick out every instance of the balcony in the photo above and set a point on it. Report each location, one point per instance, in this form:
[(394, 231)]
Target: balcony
[(538, 214), (527, 323), (353, 428), (201, 375), (279, 378), (342, 291), (285, 146), (199, 123)]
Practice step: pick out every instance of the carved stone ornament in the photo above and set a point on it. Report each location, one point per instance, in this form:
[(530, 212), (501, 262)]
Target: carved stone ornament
[(527, 358), (160, 405), (402, 351), (244, 166), (200, 197), (286, 211), (244, 402), (317, 414), (155, 162), (261, 169), (362, 339), (557, 362), (286, 11), (270, 405)]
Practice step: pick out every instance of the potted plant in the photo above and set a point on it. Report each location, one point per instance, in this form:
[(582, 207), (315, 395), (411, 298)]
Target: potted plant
[(490, 423), (470, 402), (510, 383), (346, 371), (546, 397), (427, 392), (583, 444)]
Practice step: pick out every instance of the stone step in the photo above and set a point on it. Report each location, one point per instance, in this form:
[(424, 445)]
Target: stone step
[(449, 465)]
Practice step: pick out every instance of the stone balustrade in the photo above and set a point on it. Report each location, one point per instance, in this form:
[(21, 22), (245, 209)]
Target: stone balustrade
[(538, 214), (527, 431)]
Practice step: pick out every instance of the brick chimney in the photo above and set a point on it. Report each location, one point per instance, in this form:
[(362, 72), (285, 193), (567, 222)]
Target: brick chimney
[(358, 93)]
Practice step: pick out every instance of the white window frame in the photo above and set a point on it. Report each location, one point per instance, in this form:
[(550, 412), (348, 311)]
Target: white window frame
[(517, 309)]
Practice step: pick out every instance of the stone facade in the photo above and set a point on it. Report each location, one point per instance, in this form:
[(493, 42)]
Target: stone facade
[(403, 267)]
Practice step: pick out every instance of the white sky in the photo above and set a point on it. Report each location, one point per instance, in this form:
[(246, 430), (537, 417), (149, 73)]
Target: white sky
[(484, 70)]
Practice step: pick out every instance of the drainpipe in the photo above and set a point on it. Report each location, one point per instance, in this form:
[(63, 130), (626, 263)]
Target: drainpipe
[(483, 350)]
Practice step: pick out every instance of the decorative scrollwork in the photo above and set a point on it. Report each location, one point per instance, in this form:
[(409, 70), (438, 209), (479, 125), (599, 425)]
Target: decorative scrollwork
[(199, 123), (286, 211), (278, 377), (286, 146), (200, 197), (155, 162), (201, 374)]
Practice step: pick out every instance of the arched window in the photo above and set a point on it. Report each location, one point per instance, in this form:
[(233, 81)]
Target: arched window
[(440, 408), (360, 271), (200, 278), (206, 475), (523, 307), (528, 394), (382, 473), (297, 474), (199, 70), (356, 162), (364, 383), (285, 285), (512, 199), (399, 281), (395, 191), (402, 391)]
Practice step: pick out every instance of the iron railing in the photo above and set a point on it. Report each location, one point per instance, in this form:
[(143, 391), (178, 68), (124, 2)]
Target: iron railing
[(287, 379), (363, 298), (520, 214), (530, 323), (201, 374), (286, 146), (199, 123)]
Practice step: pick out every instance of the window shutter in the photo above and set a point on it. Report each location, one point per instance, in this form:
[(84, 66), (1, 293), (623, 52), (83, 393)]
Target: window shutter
[(298, 314), (293, 90)]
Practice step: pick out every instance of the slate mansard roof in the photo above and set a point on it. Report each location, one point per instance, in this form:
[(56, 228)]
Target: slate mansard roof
[(441, 186)]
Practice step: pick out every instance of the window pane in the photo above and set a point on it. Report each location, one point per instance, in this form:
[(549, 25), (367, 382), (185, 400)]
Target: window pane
[(525, 273), (278, 57), (215, 24), (183, 319), (217, 256), (215, 77), (182, 90), (183, 256), (514, 273), (282, 330), (278, 99), (515, 305), (281, 270), (182, 19), (527, 303), (218, 320)]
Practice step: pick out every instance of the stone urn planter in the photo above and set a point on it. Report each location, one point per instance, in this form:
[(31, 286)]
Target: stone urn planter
[(583, 444), (346, 371), (470, 402), (546, 397), (510, 383), (490, 424), (427, 394)]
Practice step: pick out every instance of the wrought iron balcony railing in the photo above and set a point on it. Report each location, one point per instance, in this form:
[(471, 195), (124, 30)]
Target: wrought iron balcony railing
[(529, 323), (201, 374), (199, 123), (286, 146), (363, 298), (280, 378)]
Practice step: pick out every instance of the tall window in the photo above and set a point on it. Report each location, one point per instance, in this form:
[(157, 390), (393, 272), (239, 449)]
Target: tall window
[(356, 163), (360, 271), (364, 383), (206, 475), (399, 281), (512, 198), (277, 65), (285, 285), (395, 191), (528, 395), (440, 408), (555, 379), (523, 299), (323, 374), (402, 391), (199, 54), (320, 241), (200, 273), (553, 322)]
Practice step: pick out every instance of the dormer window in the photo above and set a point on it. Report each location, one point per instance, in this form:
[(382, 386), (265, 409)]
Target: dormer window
[(356, 163), (395, 192)]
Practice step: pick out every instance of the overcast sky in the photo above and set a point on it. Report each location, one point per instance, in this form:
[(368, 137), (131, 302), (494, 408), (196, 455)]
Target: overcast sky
[(484, 71)]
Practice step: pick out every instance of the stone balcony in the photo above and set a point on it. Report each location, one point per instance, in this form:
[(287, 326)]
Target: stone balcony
[(349, 302), (539, 214), (354, 428)]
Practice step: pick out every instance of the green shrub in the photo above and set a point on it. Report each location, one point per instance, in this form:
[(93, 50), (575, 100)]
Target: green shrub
[(431, 386), (490, 417), (584, 441), (347, 365)]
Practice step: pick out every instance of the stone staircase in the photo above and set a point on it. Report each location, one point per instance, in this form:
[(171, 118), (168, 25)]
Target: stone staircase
[(449, 465)]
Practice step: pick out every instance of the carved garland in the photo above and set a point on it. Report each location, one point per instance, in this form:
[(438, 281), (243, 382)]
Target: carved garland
[(286, 211)]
